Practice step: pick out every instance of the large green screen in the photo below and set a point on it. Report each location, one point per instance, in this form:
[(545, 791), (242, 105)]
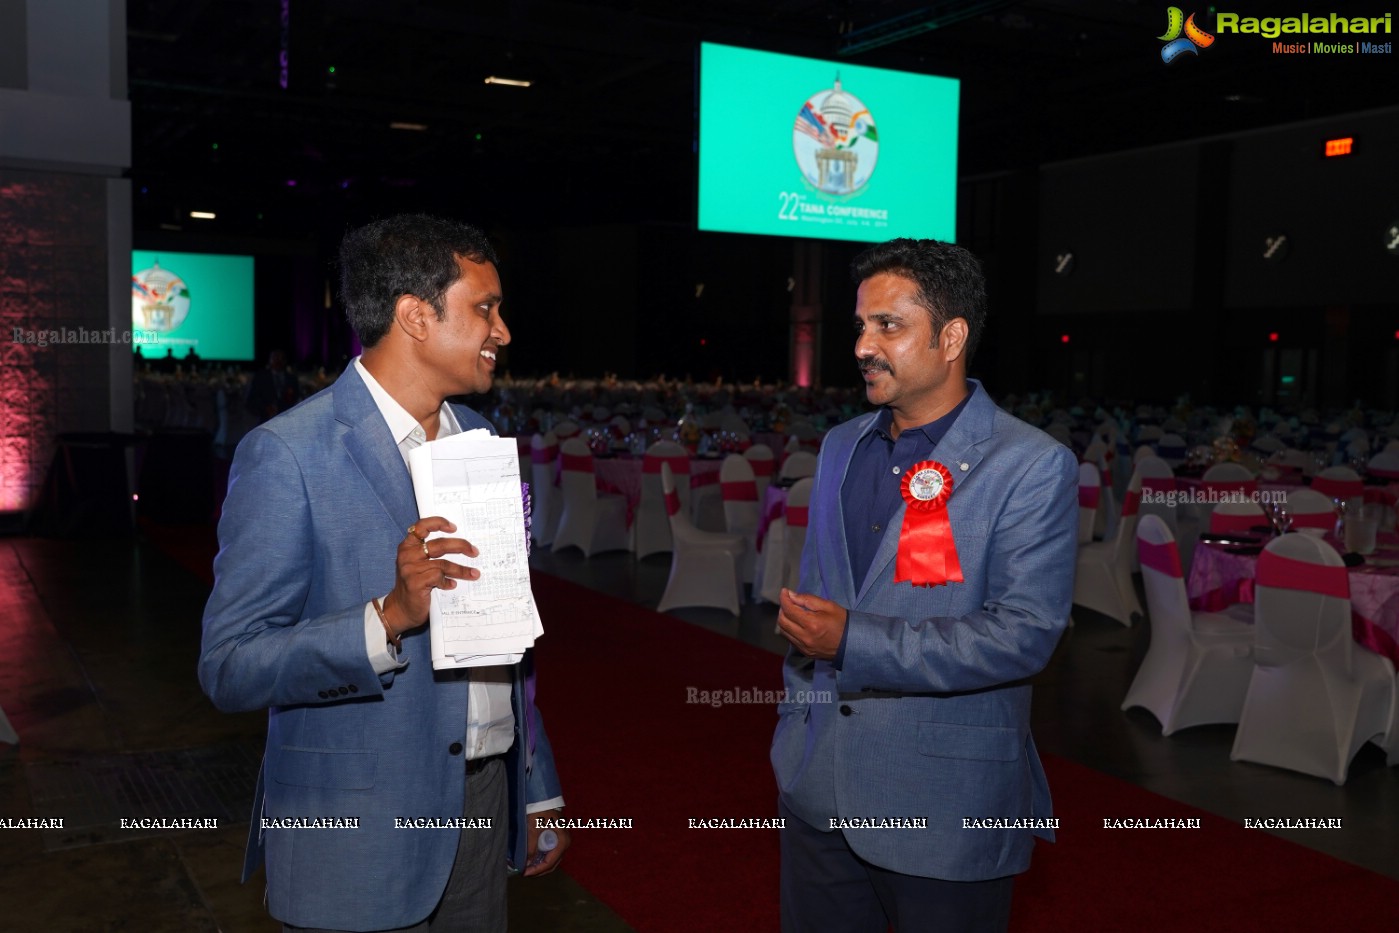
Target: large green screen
[(192, 301), (802, 147)]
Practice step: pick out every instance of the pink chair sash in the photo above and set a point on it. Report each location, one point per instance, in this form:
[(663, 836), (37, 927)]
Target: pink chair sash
[(1373, 637), (1088, 496), (797, 516), (1131, 502), (1284, 573), (704, 479), (774, 502), (679, 464), (1338, 488), (1325, 520), (577, 463), (543, 454), (1384, 474), (1383, 495), (1156, 485), (1227, 487), (1222, 523), (741, 491), (763, 467), (672, 502), (1163, 558)]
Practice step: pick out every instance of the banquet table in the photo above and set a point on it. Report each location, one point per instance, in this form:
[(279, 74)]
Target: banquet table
[(1221, 577)]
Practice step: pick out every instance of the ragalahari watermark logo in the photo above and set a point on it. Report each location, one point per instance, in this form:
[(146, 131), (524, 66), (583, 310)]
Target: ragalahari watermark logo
[(1176, 44)]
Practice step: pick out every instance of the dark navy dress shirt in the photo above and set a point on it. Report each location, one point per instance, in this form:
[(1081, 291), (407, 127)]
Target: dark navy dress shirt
[(871, 494)]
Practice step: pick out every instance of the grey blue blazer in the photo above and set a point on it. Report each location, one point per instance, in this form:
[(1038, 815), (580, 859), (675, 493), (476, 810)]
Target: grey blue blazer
[(929, 716), (318, 501)]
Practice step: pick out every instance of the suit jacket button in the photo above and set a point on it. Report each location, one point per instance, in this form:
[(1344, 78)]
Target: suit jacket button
[(354, 689), (845, 709), (322, 694), (343, 691), (454, 748)]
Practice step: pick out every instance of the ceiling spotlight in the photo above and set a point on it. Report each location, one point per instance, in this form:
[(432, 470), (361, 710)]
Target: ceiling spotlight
[(512, 82), (203, 215), (401, 125)]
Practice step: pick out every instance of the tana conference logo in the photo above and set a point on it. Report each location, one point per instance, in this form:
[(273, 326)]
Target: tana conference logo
[(834, 141), (1177, 44), (159, 299)]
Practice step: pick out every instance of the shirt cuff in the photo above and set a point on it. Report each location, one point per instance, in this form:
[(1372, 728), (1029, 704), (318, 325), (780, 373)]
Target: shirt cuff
[(383, 657), (553, 803)]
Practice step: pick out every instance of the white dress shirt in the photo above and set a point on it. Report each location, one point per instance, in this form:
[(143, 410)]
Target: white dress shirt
[(490, 727)]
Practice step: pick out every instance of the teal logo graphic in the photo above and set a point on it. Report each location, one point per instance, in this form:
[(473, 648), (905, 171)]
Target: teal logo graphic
[(1177, 44)]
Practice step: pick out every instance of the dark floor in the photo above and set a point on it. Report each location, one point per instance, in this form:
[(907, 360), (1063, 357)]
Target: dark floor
[(100, 639)]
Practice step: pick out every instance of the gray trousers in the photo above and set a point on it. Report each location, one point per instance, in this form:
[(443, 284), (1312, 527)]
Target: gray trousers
[(827, 888), (474, 901)]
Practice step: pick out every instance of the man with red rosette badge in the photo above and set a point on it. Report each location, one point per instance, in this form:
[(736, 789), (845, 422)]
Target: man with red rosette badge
[(937, 578)]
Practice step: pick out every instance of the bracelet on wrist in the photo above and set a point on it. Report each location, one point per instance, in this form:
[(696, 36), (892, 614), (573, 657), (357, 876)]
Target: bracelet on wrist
[(395, 638)]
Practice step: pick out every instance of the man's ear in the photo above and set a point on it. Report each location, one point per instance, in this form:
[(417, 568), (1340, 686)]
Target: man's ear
[(953, 339), (410, 315)]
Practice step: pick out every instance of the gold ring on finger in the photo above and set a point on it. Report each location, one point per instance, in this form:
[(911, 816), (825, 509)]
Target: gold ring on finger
[(425, 552)]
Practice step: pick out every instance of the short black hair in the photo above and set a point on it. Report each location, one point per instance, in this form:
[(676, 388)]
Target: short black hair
[(949, 279), (409, 254)]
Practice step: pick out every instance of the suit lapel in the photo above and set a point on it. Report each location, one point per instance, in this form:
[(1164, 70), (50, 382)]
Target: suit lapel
[(960, 445), (842, 589), (370, 445)]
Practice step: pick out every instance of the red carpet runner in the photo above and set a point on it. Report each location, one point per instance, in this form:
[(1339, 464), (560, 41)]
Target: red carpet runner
[(613, 688), (614, 682)]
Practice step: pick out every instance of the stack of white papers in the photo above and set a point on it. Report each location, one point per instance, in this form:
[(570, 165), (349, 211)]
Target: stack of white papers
[(472, 479)]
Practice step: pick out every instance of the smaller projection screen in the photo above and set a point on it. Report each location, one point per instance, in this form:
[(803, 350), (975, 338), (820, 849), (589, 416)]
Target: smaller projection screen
[(192, 301), (808, 148)]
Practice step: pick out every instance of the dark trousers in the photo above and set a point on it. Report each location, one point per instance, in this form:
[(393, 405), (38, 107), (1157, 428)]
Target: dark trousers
[(827, 888), (474, 901)]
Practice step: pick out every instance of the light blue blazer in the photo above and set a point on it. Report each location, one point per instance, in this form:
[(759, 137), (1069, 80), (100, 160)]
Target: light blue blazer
[(318, 501), (929, 716)]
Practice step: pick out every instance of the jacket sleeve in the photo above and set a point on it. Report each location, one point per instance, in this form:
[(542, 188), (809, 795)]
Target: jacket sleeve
[(258, 650), (1029, 588), (541, 780)]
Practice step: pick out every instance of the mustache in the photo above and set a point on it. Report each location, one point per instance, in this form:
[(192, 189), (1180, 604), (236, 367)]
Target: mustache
[(874, 366)]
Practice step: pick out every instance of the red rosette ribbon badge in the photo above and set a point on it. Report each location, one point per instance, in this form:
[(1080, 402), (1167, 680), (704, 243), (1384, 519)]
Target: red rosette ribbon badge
[(927, 554)]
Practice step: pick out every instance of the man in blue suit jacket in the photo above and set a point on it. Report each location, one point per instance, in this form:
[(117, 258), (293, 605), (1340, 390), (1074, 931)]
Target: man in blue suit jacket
[(908, 776), (391, 796)]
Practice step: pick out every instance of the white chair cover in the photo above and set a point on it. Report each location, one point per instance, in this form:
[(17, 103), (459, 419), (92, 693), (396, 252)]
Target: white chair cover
[(1103, 581), (1171, 448), (1235, 517), (795, 519), (1104, 521), (1310, 509), (1232, 475), (800, 464), (546, 499), (1315, 696), (1158, 483), (785, 541), (1090, 491), (1338, 482), (1197, 667), (651, 524), (760, 457), (741, 507), (703, 565), (591, 521)]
